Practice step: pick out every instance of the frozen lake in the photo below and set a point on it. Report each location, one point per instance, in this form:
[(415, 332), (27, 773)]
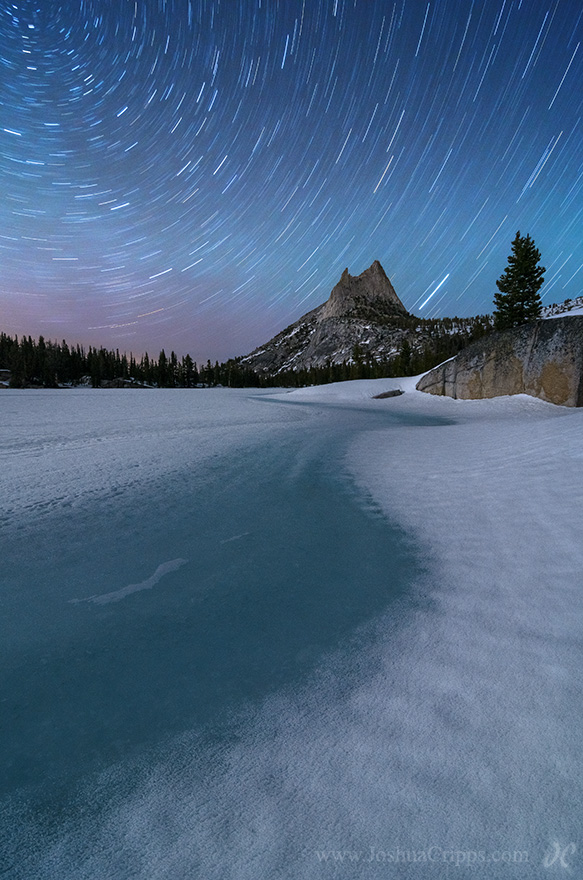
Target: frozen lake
[(233, 645), (173, 602)]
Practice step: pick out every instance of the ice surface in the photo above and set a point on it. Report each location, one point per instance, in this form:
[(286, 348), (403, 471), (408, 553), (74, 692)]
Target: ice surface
[(443, 726)]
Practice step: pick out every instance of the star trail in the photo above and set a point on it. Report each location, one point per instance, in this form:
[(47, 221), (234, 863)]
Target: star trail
[(196, 174)]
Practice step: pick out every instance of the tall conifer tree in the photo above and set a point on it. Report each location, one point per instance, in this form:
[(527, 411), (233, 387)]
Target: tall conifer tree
[(518, 300)]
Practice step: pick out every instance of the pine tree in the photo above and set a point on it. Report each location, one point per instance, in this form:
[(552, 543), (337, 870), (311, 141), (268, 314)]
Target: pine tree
[(162, 370), (405, 355), (518, 301)]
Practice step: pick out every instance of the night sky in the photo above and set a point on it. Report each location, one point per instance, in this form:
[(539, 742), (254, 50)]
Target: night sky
[(196, 175)]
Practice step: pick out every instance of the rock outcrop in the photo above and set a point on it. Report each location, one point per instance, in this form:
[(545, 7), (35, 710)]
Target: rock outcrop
[(370, 293), (362, 310), (543, 359)]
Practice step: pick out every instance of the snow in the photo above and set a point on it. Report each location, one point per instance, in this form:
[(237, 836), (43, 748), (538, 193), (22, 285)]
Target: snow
[(448, 728), (483, 693), (564, 309), (352, 392), (59, 448), (566, 314)]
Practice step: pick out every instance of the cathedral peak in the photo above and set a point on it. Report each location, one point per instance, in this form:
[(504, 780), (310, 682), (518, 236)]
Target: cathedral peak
[(362, 310), (355, 294)]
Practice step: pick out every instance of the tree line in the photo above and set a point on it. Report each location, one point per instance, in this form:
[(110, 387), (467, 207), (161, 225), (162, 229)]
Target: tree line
[(48, 364)]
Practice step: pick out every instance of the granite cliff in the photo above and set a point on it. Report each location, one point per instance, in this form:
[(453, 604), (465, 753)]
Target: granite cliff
[(543, 359)]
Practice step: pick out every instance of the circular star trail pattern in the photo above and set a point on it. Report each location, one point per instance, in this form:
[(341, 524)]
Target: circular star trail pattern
[(196, 174)]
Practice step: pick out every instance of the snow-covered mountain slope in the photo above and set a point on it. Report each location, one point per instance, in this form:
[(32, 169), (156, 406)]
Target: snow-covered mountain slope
[(564, 309)]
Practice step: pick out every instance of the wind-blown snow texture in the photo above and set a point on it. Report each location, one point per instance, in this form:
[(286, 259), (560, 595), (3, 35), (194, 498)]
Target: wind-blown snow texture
[(446, 724)]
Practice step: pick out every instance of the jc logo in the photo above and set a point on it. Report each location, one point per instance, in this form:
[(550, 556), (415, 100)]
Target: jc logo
[(559, 854)]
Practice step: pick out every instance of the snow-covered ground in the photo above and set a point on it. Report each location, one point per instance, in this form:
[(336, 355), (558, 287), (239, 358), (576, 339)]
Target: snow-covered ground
[(482, 731), (443, 739)]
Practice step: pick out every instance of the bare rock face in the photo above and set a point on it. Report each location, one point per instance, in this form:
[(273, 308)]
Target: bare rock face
[(362, 310), (370, 292), (543, 359)]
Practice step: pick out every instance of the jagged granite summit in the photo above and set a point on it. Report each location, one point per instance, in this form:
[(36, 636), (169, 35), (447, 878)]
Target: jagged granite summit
[(369, 294), (362, 310)]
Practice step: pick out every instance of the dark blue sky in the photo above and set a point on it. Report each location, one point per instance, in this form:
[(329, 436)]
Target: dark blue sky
[(196, 175)]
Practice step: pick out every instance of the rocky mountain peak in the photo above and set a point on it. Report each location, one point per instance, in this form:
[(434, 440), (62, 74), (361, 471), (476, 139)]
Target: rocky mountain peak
[(369, 292), (362, 310)]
